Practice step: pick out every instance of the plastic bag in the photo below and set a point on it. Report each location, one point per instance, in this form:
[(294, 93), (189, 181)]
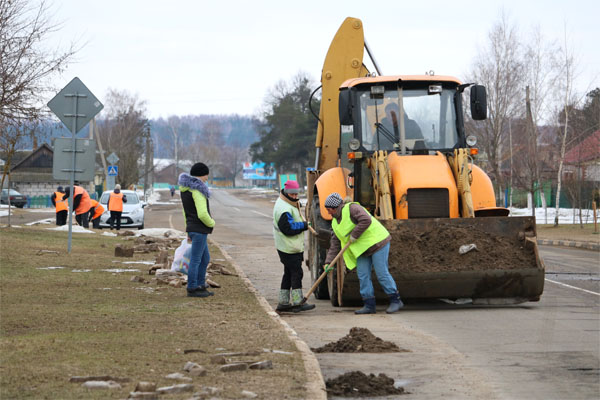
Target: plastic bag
[(465, 248), (181, 260)]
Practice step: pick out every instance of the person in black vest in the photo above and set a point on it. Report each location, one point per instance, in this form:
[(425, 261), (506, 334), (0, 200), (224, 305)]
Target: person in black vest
[(198, 224)]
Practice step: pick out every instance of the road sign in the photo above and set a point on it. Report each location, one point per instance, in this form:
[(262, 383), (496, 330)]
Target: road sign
[(82, 110), (113, 170), (112, 158), (62, 159)]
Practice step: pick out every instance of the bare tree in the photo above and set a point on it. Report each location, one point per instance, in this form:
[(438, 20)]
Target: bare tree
[(123, 132), (499, 67), (539, 64), (26, 67), (565, 85)]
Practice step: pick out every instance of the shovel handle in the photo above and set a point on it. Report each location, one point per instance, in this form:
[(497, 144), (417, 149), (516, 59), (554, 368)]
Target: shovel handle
[(327, 269)]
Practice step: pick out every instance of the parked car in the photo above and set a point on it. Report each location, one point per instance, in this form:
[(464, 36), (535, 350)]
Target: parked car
[(16, 198), (133, 210)]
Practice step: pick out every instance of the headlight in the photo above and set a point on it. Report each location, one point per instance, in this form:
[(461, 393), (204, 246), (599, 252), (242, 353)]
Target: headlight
[(354, 144), (471, 140)]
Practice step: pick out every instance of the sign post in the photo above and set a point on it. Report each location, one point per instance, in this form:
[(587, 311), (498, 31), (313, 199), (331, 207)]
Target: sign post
[(111, 171), (84, 105)]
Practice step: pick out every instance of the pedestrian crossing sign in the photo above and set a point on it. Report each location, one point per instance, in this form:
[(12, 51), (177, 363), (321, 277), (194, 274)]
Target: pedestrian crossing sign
[(113, 170)]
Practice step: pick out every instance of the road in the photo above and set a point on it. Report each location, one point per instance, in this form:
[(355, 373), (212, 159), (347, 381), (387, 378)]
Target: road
[(544, 350)]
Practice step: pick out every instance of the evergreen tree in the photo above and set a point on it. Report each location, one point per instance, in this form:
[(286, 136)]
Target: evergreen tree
[(287, 130)]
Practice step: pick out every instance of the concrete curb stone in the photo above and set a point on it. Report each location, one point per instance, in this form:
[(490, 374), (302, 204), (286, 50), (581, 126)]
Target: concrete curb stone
[(570, 243), (315, 384)]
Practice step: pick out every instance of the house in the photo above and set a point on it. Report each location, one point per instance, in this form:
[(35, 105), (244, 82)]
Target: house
[(583, 160), (32, 176)]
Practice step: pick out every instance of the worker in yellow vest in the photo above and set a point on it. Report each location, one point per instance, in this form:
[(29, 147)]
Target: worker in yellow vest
[(59, 201), (115, 206), (95, 213), (369, 249)]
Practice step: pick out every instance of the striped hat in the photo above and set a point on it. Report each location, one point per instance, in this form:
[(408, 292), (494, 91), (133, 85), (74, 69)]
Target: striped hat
[(334, 200)]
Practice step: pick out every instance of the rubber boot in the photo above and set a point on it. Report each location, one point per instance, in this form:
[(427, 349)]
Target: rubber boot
[(284, 300), (297, 300), (368, 308), (395, 303)]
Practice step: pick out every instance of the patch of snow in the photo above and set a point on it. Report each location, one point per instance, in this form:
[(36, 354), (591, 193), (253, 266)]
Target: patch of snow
[(134, 262), (81, 270), (108, 234), (76, 229), (119, 270), (46, 221), (160, 233), (51, 268)]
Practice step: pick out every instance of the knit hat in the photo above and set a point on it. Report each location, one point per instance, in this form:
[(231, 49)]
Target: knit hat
[(291, 187), (117, 187), (334, 200), (199, 169), (59, 189)]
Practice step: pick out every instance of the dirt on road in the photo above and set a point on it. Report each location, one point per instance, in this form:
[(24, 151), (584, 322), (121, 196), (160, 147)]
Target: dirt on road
[(358, 384), (359, 340)]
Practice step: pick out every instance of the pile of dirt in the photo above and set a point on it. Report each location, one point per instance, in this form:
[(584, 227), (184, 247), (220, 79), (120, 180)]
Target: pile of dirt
[(359, 340), (436, 250), (357, 384)]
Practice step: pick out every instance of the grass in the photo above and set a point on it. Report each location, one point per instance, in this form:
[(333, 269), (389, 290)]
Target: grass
[(573, 232), (56, 323)]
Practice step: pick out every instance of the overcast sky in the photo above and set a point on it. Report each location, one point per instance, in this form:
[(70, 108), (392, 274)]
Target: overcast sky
[(221, 57)]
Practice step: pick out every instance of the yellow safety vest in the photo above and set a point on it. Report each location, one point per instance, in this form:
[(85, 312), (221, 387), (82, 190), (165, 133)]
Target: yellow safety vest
[(374, 234)]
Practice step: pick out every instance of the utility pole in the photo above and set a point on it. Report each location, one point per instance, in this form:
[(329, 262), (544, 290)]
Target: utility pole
[(147, 159)]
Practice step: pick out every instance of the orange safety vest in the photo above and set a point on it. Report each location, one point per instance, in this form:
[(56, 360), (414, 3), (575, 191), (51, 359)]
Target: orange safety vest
[(115, 202), (98, 210), (84, 204), (61, 203)]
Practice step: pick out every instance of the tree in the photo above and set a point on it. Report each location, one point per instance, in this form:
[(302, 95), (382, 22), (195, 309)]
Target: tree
[(565, 85), (499, 67), (287, 127), (122, 131), (26, 67)]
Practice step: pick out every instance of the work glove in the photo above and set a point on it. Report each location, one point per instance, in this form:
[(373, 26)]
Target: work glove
[(305, 226), (353, 239)]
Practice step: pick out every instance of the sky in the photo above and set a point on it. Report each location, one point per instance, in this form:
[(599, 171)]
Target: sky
[(223, 57)]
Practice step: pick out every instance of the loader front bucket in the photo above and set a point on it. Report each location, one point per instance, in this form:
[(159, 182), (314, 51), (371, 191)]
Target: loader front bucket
[(502, 267)]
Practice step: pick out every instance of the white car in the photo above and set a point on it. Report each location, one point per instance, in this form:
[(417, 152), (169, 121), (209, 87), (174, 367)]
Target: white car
[(133, 210)]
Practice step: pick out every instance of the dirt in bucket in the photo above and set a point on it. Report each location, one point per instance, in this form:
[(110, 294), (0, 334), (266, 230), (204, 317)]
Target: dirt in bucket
[(437, 250), (358, 384), (359, 340)]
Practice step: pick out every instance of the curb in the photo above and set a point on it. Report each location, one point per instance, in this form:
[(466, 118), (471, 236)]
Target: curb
[(570, 243), (315, 385)]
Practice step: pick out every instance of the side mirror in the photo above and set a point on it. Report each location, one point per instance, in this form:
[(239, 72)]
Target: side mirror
[(345, 107), (144, 204), (478, 102)]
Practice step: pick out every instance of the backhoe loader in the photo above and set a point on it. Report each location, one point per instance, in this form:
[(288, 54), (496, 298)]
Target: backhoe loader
[(397, 145)]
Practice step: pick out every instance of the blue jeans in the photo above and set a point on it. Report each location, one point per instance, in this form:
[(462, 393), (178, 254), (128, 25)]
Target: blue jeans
[(198, 261), (379, 261)]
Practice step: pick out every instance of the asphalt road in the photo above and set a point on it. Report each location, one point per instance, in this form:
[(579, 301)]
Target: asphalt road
[(544, 350)]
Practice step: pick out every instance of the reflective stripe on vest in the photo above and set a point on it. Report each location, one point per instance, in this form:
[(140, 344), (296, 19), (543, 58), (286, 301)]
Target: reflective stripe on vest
[(84, 203), (374, 234), (98, 209), (61, 203), (115, 203), (287, 244)]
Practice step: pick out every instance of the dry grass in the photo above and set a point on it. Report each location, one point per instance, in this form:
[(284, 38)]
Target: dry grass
[(58, 323), (569, 232)]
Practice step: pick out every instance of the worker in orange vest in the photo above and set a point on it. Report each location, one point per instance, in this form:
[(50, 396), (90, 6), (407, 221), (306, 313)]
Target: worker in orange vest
[(95, 213), (59, 201), (115, 206), (81, 204)]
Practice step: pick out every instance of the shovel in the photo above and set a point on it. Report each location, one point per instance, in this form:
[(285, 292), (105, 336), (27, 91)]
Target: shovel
[(327, 269)]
